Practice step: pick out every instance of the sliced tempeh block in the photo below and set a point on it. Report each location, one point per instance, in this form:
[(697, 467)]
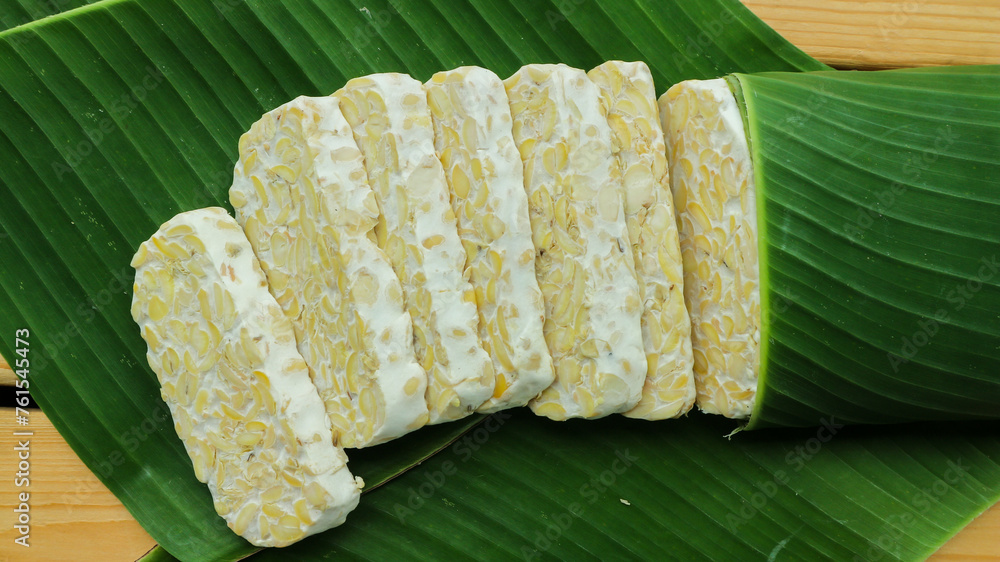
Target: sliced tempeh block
[(472, 135), (637, 140), (583, 258), (237, 388), (417, 228), (301, 193), (713, 187)]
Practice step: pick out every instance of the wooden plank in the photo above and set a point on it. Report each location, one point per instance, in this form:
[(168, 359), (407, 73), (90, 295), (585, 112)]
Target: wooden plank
[(979, 541), (7, 376), (72, 515), (70, 507), (860, 34)]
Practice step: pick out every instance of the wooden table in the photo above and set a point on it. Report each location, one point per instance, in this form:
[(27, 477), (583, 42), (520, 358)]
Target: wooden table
[(70, 506)]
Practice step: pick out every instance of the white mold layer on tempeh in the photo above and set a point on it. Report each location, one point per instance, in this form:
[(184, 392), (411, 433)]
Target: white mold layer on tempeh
[(472, 135), (714, 193), (301, 192), (584, 263), (637, 141), (236, 386), (418, 230)]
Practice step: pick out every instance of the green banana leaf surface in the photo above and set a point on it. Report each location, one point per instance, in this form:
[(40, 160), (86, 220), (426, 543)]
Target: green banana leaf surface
[(116, 115), (19, 12), (880, 244)]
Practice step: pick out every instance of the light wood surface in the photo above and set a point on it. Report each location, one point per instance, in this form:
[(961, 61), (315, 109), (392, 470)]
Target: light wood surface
[(70, 507), (73, 516), (869, 35), (7, 376)]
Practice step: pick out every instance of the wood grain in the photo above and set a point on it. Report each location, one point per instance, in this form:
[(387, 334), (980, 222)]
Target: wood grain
[(70, 507), (73, 516), (870, 35), (7, 376), (979, 541)]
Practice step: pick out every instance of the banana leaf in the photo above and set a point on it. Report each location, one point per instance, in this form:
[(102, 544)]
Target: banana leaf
[(880, 244), (19, 12), (117, 115)]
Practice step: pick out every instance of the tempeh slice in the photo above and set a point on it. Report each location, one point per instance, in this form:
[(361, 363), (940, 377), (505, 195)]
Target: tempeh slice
[(237, 388), (472, 135), (583, 258), (417, 228), (301, 193), (713, 187), (637, 140)]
